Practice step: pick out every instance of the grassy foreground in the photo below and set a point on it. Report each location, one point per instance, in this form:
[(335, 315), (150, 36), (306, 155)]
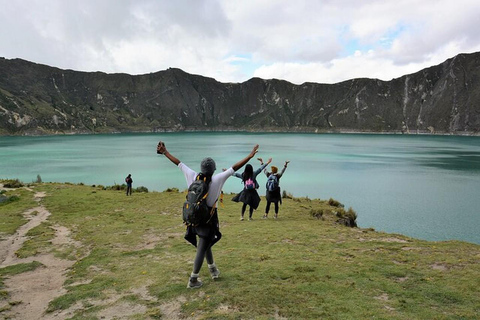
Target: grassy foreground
[(130, 250)]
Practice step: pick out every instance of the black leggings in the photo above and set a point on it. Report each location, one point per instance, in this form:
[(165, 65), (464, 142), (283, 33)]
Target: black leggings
[(267, 209), (204, 250), (245, 207)]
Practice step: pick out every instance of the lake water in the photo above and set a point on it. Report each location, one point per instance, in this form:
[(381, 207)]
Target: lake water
[(426, 187)]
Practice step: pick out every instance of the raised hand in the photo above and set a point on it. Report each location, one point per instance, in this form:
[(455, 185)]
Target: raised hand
[(161, 148), (254, 151)]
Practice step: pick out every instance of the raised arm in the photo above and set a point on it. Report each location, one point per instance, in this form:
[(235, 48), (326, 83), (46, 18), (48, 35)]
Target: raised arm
[(242, 162), (283, 170), (238, 175), (263, 166), (162, 149)]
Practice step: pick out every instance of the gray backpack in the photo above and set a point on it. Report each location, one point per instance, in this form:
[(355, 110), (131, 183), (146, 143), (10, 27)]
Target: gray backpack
[(272, 182)]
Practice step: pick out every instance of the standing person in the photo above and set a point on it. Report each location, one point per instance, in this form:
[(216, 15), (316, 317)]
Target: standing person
[(129, 182), (273, 189), (249, 195), (209, 232)]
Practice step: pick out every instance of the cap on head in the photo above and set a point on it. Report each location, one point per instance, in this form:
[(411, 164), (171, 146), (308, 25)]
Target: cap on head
[(207, 167)]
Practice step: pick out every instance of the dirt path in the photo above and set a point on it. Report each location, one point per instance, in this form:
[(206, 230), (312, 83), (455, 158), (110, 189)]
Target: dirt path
[(32, 291)]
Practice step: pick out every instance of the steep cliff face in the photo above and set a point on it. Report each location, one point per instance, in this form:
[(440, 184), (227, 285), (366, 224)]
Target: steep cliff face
[(37, 99)]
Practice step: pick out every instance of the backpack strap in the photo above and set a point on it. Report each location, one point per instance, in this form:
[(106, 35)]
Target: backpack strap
[(200, 176), (212, 211), (205, 179)]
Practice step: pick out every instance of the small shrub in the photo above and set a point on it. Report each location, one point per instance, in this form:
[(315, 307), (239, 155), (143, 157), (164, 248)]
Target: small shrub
[(347, 218), (5, 200), (335, 203), (172, 190), (141, 189), (39, 179), (13, 184), (287, 195), (117, 187)]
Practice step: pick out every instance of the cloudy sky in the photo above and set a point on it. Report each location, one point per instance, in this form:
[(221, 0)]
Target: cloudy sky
[(234, 40)]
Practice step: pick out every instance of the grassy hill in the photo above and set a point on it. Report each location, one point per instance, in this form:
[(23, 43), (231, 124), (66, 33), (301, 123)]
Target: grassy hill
[(129, 261)]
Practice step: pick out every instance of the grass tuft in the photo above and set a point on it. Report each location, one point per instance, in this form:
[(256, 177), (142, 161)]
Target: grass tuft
[(335, 203)]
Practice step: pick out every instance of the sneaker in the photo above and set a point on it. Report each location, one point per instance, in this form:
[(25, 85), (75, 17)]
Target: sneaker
[(194, 283), (241, 219), (275, 216), (265, 216), (250, 219), (214, 272)]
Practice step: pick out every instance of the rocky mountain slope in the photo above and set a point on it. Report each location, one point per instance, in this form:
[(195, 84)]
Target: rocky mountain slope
[(38, 99)]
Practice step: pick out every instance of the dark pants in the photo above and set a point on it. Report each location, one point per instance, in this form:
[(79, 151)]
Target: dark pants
[(204, 250), (207, 236), (244, 207), (129, 189), (267, 209)]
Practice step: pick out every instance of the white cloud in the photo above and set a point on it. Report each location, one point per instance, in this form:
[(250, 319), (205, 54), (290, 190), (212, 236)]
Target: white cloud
[(320, 41)]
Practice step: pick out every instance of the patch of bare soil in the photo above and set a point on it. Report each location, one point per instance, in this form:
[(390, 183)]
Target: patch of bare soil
[(439, 266), (391, 239), (31, 292), (122, 310), (171, 309)]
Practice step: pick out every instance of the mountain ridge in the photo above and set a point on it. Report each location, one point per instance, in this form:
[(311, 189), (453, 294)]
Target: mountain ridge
[(39, 99)]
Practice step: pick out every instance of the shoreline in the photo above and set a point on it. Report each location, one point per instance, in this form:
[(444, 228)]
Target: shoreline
[(178, 191), (35, 133)]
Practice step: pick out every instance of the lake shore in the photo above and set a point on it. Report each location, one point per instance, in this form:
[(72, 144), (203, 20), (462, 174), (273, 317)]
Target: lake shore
[(42, 132)]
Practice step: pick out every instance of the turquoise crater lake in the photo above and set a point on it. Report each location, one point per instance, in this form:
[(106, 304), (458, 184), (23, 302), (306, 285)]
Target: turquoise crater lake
[(426, 187)]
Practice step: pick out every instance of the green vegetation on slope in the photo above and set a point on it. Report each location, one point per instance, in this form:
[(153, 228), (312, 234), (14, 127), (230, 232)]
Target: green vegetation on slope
[(302, 266)]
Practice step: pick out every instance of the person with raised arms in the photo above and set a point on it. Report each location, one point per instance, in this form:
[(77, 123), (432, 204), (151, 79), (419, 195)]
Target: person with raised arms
[(273, 189), (249, 195), (208, 232)]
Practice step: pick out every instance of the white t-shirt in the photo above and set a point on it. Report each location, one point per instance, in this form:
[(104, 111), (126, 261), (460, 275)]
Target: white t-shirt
[(215, 188)]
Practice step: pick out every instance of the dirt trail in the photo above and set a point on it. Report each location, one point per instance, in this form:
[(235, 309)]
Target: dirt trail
[(31, 292)]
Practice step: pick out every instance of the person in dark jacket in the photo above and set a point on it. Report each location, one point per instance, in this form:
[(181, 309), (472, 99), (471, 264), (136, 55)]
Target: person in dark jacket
[(208, 233), (129, 182), (249, 195), (273, 189)]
